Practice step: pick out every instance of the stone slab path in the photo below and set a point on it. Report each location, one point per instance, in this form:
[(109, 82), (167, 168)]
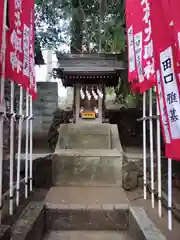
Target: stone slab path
[(86, 195), (92, 197), (86, 235)]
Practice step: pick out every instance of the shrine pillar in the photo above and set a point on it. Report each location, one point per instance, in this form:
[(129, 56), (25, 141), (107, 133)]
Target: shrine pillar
[(77, 101), (100, 103)]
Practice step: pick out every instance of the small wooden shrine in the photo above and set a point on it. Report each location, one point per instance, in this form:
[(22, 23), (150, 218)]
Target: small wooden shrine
[(89, 74)]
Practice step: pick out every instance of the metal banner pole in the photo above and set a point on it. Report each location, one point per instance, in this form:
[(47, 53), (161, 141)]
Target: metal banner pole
[(31, 145), (151, 147), (159, 161), (144, 146), (19, 146), (170, 194), (27, 145), (3, 49), (11, 151)]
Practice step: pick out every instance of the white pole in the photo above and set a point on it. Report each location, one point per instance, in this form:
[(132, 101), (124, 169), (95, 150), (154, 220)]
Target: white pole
[(159, 162), (19, 145), (170, 194), (151, 147), (144, 146), (27, 144), (49, 65), (3, 49), (11, 151), (31, 145)]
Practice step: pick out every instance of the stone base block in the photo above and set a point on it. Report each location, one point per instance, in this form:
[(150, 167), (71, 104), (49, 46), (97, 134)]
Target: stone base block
[(88, 141), (84, 136), (91, 168)]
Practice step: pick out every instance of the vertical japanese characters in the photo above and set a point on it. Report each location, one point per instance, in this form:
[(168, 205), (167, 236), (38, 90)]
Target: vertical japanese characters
[(131, 54), (16, 38), (171, 91), (148, 57), (33, 88), (162, 109), (140, 44), (20, 45), (156, 47)]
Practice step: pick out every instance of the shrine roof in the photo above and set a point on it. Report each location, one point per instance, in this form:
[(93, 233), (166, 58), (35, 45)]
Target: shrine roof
[(83, 65), (90, 63)]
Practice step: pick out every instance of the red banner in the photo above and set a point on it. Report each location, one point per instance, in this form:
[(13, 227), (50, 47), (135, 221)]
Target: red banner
[(141, 42), (20, 44), (1, 30), (167, 84), (30, 14), (143, 45)]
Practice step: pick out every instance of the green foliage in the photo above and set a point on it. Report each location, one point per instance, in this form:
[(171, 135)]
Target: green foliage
[(86, 26), (81, 23)]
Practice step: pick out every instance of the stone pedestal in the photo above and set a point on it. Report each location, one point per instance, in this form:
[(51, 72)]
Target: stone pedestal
[(84, 136), (87, 155), (87, 168)]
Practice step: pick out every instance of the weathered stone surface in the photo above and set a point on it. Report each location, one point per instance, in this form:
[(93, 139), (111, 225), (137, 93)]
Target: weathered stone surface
[(79, 166), (89, 141), (141, 227), (30, 225), (87, 235), (84, 136), (43, 108), (87, 128), (86, 195), (4, 232), (115, 140), (93, 217), (87, 170)]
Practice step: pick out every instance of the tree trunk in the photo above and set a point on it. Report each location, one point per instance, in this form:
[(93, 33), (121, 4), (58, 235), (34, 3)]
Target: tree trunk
[(76, 28)]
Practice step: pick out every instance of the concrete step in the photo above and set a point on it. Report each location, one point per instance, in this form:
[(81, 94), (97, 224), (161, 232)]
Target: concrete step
[(87, 235), (86, 208), (87, 167), (87, 211)]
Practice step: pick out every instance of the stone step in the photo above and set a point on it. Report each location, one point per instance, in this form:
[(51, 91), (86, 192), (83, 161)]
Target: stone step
[(87, 235), (87, 167), (89, 128), (94, 217), (89, 141), (38, 220), (85, 136), (86, 208)]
